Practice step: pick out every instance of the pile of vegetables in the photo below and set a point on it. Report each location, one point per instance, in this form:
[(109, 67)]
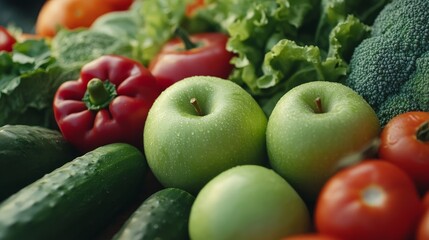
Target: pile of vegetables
[(50, 88), (313, 40)]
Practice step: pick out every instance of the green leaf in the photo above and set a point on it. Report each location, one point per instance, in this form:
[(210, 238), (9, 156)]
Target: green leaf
[(336, 11), (343, 39), (29, 77), (8, 73), (75, 48), (123, 24), (289, 65), (345, 36), (159, 20)]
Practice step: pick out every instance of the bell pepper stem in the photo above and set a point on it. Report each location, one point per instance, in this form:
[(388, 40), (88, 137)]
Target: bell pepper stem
[(97, 91), (183, 35), (99, 94)]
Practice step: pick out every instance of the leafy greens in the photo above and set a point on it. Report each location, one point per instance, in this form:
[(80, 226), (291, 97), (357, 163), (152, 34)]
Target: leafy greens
[(29, 77)]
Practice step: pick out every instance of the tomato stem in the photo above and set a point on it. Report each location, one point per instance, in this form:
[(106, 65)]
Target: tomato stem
[(318, 102), (197, 107), (423, 132), (182, 34)]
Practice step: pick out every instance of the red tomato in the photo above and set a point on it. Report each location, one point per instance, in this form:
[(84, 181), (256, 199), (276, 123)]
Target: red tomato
[(70, 14), (6, 40), (426, 200), (371, 200), (405, 143), (310, 236), (423, 229), (209, 57)]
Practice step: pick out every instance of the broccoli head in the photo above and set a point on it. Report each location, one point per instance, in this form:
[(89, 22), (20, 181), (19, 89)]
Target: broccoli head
[(390, 69)]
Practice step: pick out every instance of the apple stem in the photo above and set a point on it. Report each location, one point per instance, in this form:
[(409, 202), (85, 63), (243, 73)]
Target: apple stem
[(318, 102), (197, 108), (423, 132)]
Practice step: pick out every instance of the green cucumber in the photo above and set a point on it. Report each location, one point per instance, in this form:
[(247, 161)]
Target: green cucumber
[(27, 153), (164, 215), (77, 200)]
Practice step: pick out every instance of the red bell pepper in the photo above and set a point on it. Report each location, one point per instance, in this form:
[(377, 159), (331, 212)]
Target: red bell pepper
[(108, 103), (200, 54), (6, 40)]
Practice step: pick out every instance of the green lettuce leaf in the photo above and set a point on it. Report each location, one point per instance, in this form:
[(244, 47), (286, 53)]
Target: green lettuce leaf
[(254, 28), (336, 11), (343, 39), (123, 24), (75, 48), (29, 78), (288, 64), (159, 20)]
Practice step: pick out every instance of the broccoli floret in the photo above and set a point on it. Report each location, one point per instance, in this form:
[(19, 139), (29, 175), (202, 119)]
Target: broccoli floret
[(390, 69), (413, 94)]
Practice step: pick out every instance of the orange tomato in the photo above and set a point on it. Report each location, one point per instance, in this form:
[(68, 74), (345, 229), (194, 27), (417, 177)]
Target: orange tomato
[(70, 14), (26, 36), (192, 7)]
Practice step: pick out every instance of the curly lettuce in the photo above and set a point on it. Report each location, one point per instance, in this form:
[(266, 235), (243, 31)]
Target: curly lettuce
[(281, 44), (29, 77)]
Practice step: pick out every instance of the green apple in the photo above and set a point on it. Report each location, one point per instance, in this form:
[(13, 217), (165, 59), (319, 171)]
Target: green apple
[(248, 202), (199, 127), (312, 128)]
